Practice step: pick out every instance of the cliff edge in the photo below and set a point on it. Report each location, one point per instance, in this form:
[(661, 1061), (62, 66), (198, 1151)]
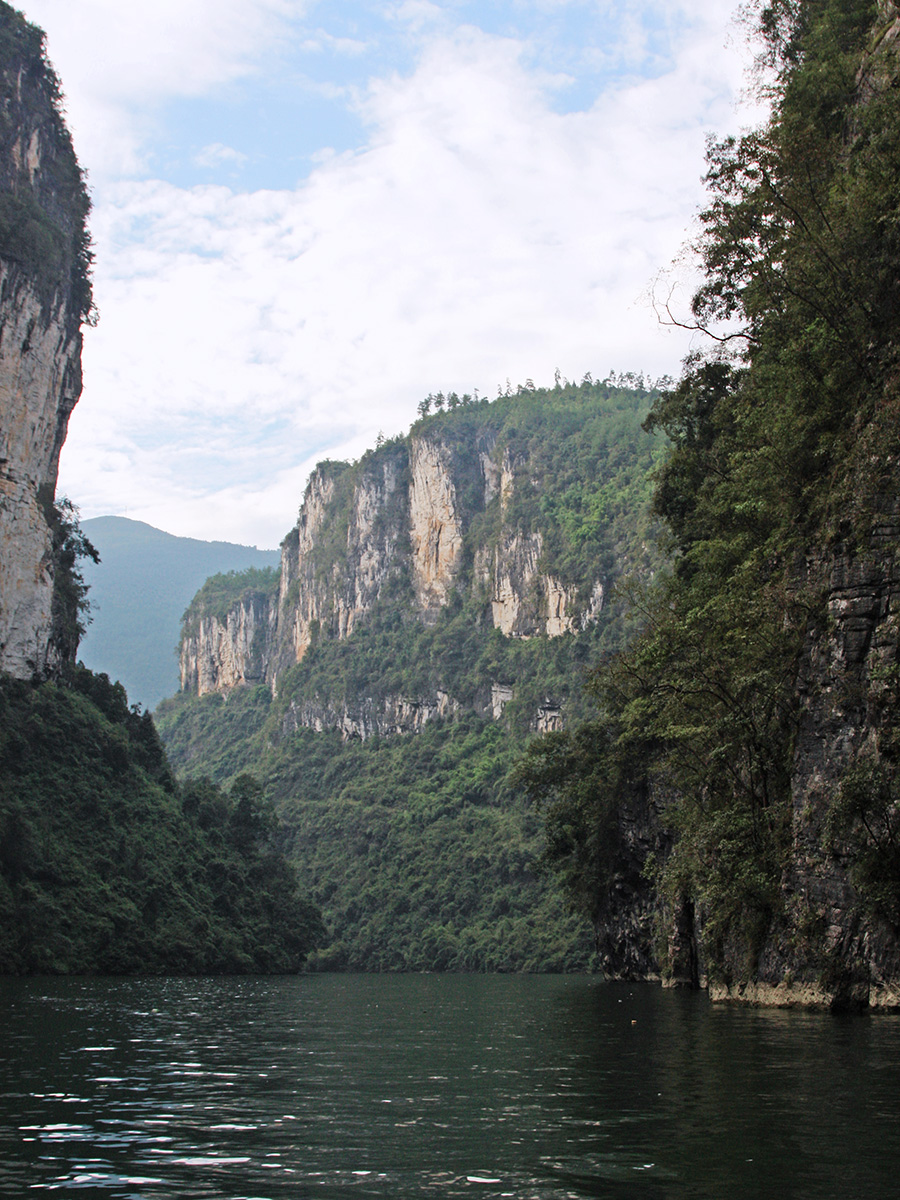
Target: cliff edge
[(45, 297), (522, 512)]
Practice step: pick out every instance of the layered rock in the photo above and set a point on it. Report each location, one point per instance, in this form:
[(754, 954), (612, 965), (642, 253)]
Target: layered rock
[(44, 296), (368, 717), (224, 652), (399, 523)]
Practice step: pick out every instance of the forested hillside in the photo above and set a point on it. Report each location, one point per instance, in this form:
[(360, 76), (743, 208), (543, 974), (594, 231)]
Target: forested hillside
[(106, 863), (386, 747), (744, 753)]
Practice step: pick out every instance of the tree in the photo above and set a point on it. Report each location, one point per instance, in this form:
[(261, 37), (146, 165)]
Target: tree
[(781, 440), (70, 605)]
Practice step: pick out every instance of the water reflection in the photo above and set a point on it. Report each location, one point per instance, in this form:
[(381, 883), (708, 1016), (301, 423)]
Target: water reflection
[(402, 1086)]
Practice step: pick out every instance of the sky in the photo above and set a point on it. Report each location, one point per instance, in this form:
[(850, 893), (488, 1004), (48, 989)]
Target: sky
[(307, 216)]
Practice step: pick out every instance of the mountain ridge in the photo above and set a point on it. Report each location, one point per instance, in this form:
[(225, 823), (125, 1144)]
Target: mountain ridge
[(138, 593)]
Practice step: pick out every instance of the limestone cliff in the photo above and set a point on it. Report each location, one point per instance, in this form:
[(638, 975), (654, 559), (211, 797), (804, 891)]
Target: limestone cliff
[(338, 556), (400, 520), (458, 513), (229, 650), (367, 717), (44, 297)]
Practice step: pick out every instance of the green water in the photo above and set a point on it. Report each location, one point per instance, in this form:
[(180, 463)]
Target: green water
[(445, 1086)]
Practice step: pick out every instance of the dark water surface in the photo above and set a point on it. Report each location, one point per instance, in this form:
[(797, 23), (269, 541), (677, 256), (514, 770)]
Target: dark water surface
[(444, 1086)]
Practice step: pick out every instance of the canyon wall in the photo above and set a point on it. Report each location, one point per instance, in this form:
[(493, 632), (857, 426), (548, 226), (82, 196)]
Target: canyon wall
[(834, 947), (44, 297), (420, 523)]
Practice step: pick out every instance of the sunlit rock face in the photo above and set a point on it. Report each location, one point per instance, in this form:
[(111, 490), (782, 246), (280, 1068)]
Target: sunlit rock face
[(419, 523), (44, 296), (39, 383), (227, 651), (436, 526), (338, 556)]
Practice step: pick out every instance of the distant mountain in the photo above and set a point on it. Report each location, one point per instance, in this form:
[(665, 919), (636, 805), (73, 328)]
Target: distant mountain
[(139, 591)]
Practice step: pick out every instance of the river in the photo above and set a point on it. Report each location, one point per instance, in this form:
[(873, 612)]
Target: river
[(437, 1085)]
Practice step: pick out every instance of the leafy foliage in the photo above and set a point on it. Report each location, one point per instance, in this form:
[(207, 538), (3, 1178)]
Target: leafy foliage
[(865, 818), (780, 442), (418, 855), (70, 605), (418, 851), (579, 781), (222, 592), (107, 865)]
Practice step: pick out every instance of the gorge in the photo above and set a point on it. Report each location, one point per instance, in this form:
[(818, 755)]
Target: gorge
[(641, 642), (724, 805), (106, 863), (437, 603)]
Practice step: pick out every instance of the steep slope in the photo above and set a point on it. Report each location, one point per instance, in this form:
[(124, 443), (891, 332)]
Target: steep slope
[(763, 694), (524, 511), (437, 603), (138, 593), (106, 864), (44, 298)]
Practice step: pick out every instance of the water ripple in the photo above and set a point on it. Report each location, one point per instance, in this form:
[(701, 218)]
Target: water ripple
[(445, 1086)]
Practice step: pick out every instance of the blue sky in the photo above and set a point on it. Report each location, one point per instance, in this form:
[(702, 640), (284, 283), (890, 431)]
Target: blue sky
[(309, 215), (279, 122)]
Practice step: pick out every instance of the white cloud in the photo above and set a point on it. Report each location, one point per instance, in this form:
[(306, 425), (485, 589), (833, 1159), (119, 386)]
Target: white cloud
[(119, 61), (478, 235), (322, 41), (216, 155)]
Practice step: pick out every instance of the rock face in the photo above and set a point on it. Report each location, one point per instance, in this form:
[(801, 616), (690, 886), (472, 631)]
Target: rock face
[(829, 947), (435, 523), (417, 522), (848, 957), (367, 718), (44, 296), (226, 652), (336, 559)]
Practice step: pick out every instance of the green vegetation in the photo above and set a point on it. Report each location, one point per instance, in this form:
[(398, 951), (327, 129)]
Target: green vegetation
[(412, 845), (782, 442), (43, 220), (138, 592), (107, 865), (222, 592), (416, 849), (417, 853), (69, 545), (581, 464), (30, 238)]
